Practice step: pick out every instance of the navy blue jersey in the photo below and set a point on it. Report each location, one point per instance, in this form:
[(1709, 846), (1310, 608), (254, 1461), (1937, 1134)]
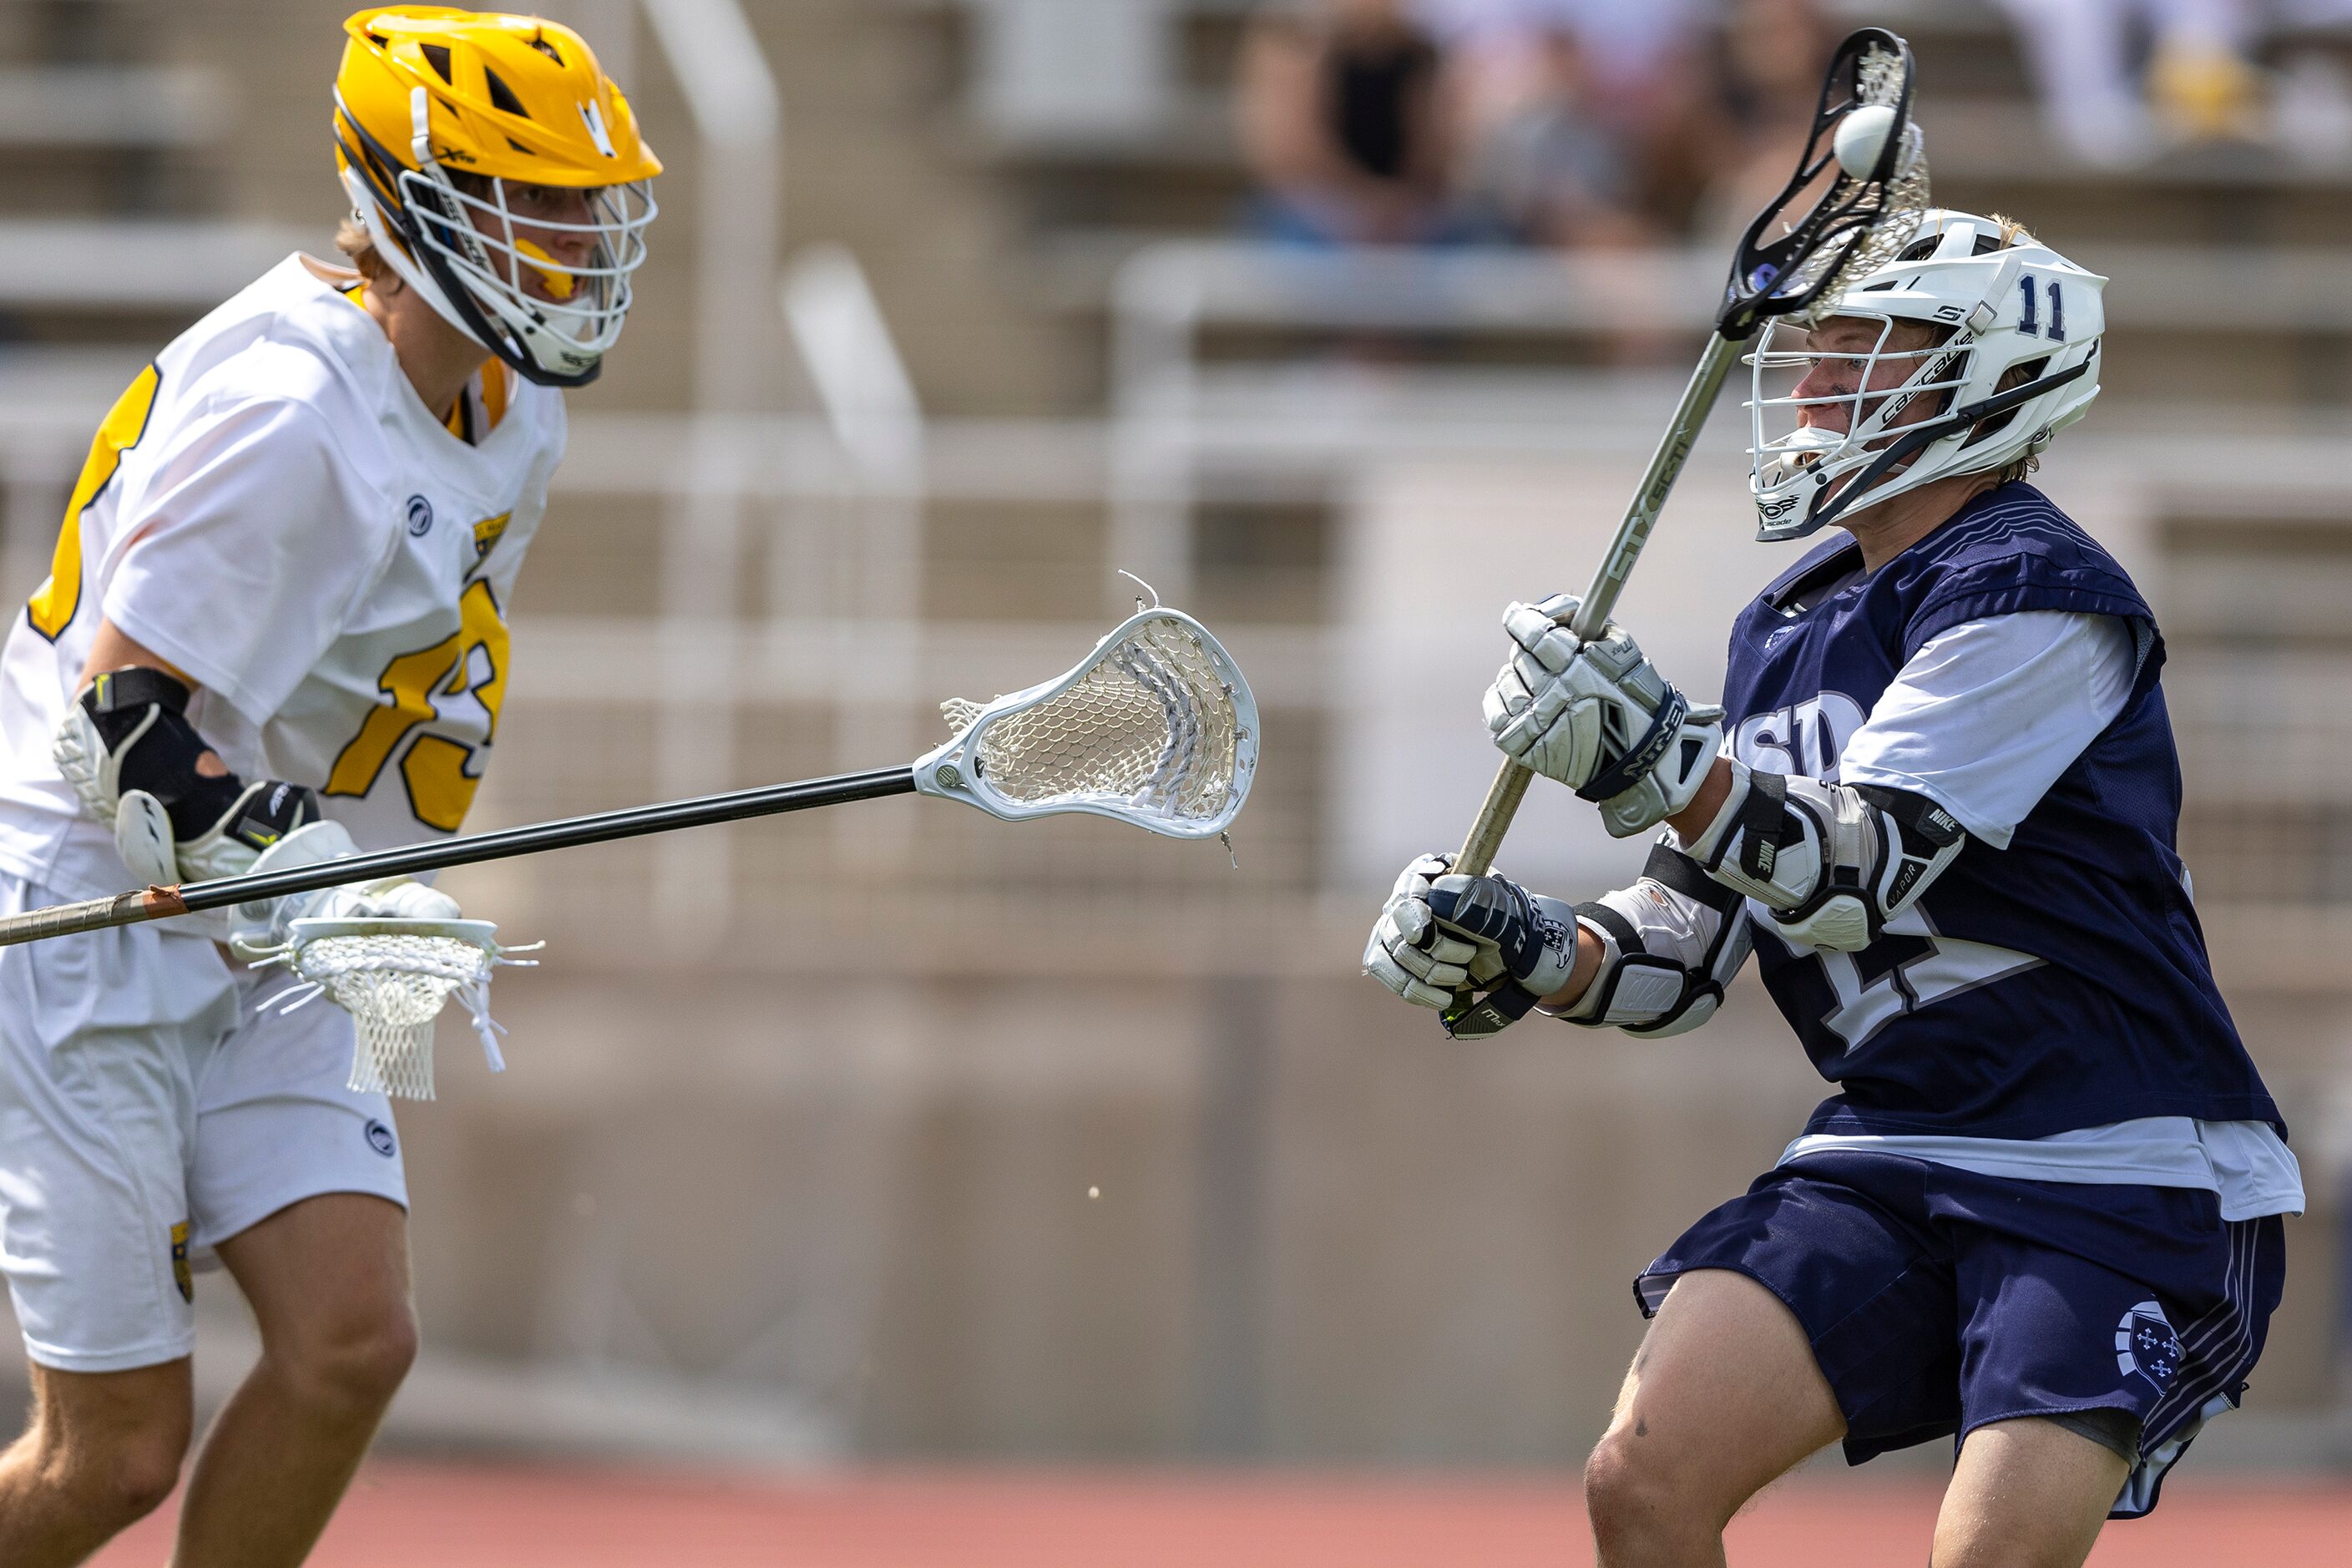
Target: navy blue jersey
[(2059, 983)]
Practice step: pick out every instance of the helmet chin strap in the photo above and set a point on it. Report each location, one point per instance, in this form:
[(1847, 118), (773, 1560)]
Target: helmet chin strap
[(1918, 437), (395, 256)]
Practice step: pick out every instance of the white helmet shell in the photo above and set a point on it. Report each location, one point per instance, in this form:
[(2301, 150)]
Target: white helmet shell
[(2000, 309)]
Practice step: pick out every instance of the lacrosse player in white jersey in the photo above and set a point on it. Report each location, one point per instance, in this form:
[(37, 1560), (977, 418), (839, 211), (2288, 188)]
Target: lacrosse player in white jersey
[(274, 633)]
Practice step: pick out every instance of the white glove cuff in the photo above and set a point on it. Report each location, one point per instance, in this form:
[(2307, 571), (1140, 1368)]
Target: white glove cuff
[(1670, 786), (1586, 1009)]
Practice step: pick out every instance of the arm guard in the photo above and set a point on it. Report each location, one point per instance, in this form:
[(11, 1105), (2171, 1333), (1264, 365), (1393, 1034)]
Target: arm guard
[(1833, 862), (128, 752), (1670, 943)]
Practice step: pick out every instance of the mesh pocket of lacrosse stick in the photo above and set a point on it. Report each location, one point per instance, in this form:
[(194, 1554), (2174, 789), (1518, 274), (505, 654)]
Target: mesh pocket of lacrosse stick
[(1156, 728), (392, 977), (1829, 224)]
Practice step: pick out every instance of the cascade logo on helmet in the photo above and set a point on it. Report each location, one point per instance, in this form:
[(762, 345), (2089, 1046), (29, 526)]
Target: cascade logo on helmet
[(528, 249), (1942, 361)]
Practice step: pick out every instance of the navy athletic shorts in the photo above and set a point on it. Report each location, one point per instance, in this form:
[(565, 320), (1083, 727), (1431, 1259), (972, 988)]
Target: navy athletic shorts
[(1937, 1300)]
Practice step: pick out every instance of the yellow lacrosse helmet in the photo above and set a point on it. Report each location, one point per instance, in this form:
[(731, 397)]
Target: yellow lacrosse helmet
[(437, 112)]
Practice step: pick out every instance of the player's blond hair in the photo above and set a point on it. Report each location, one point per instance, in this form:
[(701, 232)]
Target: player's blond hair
[(354, 240)]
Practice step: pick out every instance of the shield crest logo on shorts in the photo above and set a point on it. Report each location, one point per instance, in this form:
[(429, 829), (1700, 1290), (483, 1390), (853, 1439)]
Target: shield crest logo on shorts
[(2146, 1344), (179, 1274)]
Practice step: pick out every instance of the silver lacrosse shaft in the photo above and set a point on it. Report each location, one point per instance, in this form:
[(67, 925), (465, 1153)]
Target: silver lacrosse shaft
[(1510, 786), (634, 822)]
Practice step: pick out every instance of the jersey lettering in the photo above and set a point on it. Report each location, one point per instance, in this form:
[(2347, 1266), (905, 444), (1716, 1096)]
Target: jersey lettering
[(55, 601), (2059, 984), (1805, 740), (1911, 966), (457, 683)]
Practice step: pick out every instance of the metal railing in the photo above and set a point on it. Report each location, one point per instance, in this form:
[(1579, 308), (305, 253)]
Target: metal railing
[(852, 568)]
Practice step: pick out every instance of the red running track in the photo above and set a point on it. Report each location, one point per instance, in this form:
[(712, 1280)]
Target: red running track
[(409, 1515)]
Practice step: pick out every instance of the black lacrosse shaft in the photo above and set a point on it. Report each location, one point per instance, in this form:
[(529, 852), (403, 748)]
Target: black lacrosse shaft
[(636, 822)]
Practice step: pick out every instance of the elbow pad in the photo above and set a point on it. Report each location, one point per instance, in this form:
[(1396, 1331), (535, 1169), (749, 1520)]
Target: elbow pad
[(1833, 862), (128, 752), (1670, 943)]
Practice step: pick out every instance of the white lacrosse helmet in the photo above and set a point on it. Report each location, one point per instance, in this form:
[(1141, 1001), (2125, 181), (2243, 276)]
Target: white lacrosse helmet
[(2014, 362)]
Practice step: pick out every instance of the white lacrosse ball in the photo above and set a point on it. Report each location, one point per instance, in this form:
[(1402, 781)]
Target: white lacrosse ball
[(1861, 137)]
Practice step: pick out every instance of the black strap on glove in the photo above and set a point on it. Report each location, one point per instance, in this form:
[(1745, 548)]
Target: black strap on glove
[(141, 715), (1629, 770), (1505, 914)]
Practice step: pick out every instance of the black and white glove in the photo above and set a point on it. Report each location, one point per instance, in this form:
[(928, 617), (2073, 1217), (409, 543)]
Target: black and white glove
[(128, 752), (1439, 933), (1600, 718)]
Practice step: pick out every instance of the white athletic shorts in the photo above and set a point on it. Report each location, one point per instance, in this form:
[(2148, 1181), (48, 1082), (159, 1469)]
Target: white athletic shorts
[(150, 1110)]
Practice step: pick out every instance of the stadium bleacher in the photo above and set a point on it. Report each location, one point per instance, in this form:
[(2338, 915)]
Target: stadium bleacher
[(886, 1157)]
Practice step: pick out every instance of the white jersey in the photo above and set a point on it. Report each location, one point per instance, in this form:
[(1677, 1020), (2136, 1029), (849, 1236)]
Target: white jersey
[(272, 508)]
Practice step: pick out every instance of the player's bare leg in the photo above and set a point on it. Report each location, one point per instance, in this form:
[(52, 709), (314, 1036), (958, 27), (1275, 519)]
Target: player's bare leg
[(1723, 1398), (327, 1280), (2026, 1494), (101, 1450)]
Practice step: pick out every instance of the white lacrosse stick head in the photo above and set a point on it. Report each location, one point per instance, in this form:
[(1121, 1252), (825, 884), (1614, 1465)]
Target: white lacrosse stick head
[(1156, 728), (392, 977)]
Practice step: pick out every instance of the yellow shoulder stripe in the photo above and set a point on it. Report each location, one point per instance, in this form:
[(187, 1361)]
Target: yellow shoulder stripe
[(56, 600)]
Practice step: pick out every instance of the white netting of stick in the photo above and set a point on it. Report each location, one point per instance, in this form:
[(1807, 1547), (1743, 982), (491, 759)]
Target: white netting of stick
[(394, 983), (1152, 728), (1880, 78)]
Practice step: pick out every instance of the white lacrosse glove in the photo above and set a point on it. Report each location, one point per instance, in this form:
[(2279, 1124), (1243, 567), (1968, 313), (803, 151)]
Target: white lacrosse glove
[(268, 923), (1600, 718), (1439, 933), (128, 749), (1413, 956)]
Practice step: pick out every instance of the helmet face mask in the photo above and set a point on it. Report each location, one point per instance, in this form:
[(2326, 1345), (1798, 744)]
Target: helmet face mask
[(488, 106), (1849, 388), (1890, 392)]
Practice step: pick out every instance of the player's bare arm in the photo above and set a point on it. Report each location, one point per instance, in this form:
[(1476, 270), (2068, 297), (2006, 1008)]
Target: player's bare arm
[(112, 648)]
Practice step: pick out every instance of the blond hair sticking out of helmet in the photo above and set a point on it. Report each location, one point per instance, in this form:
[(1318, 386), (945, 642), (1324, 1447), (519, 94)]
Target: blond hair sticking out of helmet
[(499, 173)]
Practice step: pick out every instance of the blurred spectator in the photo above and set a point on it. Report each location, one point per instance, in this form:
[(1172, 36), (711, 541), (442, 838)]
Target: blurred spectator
[(1340, 123), (1627, 46), (1539, 150), (1559, 103), (2087, 59), (2121, 80), (1727, 142)]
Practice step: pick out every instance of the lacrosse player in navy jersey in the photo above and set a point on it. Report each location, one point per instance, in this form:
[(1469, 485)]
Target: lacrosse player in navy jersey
[(2041, 1214)]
